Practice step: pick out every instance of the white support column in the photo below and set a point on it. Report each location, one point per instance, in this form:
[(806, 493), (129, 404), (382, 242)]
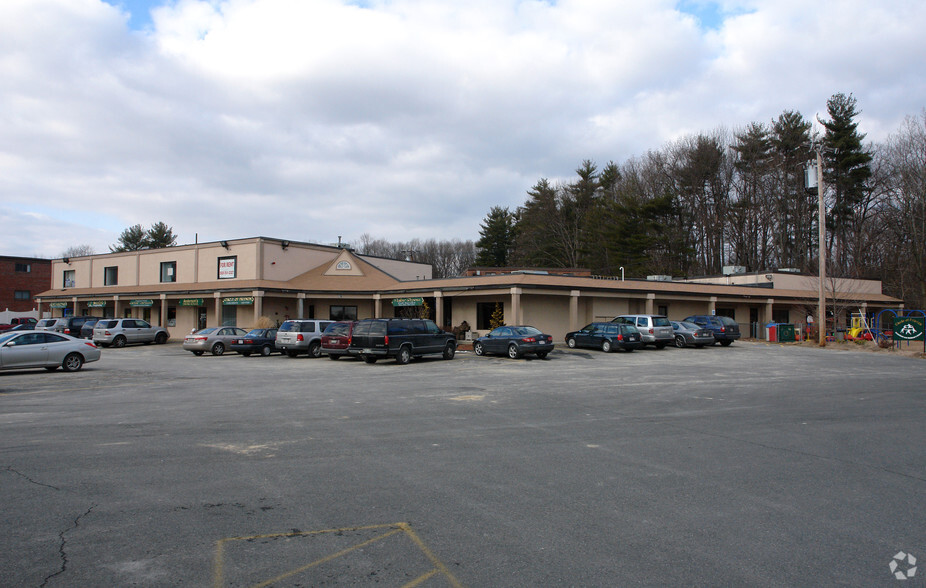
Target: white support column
[(300, 305), (650, 302), (377, 306), (574, 310), (218, 308), (163, 318), (712, 305), (439, 308), (258, 304), (516, 307)]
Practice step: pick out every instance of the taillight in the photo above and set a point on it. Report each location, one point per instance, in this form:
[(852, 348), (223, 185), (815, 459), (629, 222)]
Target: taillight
[(299, 337), (529, 340), (620, 337), (248, 342), (67, 331), (723, 329), (651, 331), (350, 340), (90, 343), (386, 339)]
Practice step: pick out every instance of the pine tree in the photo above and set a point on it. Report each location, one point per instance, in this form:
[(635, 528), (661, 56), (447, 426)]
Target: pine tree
[(133, 238), (159, 236), (498, 317), (496, 237)]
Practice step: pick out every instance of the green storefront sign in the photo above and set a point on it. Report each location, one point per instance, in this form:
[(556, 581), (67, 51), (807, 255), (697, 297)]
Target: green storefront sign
[(142, 302), (909, 329), (96, 304), (238, 300), (58, 304), (190, 302), (408, 301)]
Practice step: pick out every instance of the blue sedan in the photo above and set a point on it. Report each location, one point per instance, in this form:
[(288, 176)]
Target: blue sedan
[(514, 341), (262, 341)]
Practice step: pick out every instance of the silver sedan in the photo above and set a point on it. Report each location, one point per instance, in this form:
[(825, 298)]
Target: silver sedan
[(35, 349), (213, 339)]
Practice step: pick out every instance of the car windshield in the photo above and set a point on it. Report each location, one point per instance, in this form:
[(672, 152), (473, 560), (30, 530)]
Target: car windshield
[(526, 331), (338, 329), (661, 321), (208, 331), (255, 333), (690, 326), (107, 324), (727, 321), (6, 337), (288, 326)]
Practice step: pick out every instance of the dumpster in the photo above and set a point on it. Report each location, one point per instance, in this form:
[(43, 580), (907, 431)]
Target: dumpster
[(771, 332), (786, 333)]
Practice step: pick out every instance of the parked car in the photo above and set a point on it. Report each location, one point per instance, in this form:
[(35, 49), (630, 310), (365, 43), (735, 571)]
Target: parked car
[(606, 336), (515, 341), (262, 341), (403, 339), (655, 329), (725, 329), (27, 321), (121, 332), (336, 338), (21, 327), (49, 324), (301, 336), (73, 325), (213, 339), (33, 349), (691, 334), (86, 331)]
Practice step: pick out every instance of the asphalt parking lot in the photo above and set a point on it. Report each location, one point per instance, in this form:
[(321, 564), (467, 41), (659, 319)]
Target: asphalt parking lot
[(749, 465)]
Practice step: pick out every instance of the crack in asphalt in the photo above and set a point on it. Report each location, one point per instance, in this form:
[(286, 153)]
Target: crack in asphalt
[(37, 483), (61, 547)]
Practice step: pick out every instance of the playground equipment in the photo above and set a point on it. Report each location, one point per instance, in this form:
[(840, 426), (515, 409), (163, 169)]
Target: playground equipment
[(859, 328)]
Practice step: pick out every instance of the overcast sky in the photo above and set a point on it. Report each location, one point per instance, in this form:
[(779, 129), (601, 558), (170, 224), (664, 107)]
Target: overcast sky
[(310, 119)]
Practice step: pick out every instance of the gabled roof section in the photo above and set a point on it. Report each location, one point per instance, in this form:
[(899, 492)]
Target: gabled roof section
[(360, 276), (345, 265)]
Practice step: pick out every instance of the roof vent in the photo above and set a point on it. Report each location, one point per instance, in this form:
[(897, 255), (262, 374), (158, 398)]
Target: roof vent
[(734, 270), (659, 278)]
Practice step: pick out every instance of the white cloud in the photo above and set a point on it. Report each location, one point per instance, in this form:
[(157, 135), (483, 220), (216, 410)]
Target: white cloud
[(410, 118)]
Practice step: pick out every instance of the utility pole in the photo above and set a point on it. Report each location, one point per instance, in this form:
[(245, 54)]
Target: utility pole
[(821, 211)]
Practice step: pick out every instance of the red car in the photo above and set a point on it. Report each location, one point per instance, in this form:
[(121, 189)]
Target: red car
[(336, 338)]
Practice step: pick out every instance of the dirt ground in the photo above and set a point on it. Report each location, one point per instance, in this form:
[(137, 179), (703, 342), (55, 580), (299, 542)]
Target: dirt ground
[(914, 349)]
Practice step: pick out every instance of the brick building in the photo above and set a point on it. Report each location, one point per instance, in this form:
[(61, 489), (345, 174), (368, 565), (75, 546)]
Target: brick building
[(21, 279)]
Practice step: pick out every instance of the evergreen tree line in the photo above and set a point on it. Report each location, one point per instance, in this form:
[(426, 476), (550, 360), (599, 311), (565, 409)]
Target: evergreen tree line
[(735, 198)]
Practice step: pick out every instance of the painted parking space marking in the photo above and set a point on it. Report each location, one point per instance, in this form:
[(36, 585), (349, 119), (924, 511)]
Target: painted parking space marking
[(390, 554)]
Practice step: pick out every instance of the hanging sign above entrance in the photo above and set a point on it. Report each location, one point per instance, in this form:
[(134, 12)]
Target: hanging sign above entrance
[(142, 302), (96, 304), (58, 305), (408, 301), (238, 300), (190, 302)]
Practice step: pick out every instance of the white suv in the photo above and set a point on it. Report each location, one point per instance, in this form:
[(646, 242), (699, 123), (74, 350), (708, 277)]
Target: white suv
[(120, 332), (301, 336)]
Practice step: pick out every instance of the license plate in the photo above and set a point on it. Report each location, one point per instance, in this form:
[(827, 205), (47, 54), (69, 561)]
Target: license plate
[(367, 350)]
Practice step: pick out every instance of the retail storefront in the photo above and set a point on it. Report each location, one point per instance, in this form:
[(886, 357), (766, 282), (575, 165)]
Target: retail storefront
[(238, 282)]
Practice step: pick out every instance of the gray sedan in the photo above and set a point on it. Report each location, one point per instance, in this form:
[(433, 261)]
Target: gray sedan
[(35, 349), (213, 339), (691, 334)]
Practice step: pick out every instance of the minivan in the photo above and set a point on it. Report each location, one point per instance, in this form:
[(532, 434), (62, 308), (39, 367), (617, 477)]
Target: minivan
[(655, 329)]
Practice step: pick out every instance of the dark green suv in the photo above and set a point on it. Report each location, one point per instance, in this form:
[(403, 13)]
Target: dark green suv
[(402, 339)]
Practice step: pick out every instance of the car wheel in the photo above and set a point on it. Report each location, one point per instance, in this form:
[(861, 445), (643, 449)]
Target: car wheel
[(265, 350), (726, 343), (403, 356), (291, 354), (478, 349), (197, 353), (119, 342), (542, 354), (513, 352), (218, 349), (606, 346), (72, 362), (449, 351), (315, 349), (160, 338), (679, 341), (571, 343), (369, 358)]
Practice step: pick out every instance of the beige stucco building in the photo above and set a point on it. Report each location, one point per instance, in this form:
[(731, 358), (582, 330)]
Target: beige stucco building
[(239, 281)]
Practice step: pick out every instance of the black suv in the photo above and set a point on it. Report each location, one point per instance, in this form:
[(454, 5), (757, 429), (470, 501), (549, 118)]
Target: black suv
[(725, 329), (402, 339), (72, 325)]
